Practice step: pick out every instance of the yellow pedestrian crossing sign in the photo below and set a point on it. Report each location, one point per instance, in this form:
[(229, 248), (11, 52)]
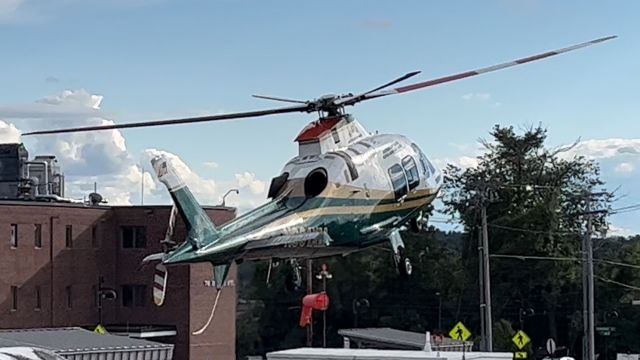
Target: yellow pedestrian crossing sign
[(100, 329), (521, 339), (460, 332)]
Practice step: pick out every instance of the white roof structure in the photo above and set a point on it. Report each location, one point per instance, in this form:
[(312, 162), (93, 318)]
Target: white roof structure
[(374, 354), (27, 353)]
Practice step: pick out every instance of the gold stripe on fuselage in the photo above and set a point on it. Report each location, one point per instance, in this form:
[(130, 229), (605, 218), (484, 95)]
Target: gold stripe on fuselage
[(366, 209)]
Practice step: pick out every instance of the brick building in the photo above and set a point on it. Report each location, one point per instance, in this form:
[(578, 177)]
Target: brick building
[(52, 256)]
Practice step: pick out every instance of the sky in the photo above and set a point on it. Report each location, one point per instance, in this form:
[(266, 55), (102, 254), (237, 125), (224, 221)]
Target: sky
[(79, 62)]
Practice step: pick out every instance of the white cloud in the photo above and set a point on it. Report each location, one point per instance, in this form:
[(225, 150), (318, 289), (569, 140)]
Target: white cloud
[(9, 7), (477, 96), (66, 106), (211, 164), (248, 180), (102, 157), (624, 167), (462, 162), (8, 133), (604, 148), (481, 98), (620, 231)]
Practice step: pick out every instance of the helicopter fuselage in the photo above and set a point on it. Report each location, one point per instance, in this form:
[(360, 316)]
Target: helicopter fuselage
[(335, 201)]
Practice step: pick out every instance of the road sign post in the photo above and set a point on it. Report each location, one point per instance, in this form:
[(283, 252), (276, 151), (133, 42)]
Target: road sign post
[(521, 339)]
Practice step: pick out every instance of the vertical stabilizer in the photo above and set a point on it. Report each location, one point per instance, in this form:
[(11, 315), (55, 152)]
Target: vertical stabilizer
[(201, 229)]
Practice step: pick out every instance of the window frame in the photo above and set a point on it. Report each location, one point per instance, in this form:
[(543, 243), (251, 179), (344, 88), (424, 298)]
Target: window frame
[(397, 190), (38, 294), (68, 236), (69, 293), (134, 295), (14, 298), (37, 236), (13, 236), (138, 237), (413, 175)]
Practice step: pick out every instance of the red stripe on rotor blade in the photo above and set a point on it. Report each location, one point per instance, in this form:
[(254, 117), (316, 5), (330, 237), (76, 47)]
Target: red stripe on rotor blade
[(536, 57), (160, 273), (158, 286)]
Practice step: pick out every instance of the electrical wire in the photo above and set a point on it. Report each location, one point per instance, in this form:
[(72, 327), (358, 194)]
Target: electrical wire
[(531, 231), (558, 258), (528, 257), (617, 283)]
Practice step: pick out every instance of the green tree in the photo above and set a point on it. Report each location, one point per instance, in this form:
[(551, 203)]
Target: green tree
[(535, 201)]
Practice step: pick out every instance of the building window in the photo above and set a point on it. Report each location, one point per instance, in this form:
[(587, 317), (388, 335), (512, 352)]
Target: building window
[(134, 295), (69, 296), (38, 298), (94, 236), (14, 298), (68, 237), (14, 235), (37, 236), (134, 237)]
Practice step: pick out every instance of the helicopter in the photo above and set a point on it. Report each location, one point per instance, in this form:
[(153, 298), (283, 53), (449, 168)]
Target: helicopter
[(345, 191)]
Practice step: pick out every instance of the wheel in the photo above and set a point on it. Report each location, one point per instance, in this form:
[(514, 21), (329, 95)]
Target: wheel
[(406, 268), (403, 263), (293, 279), (417, 223)]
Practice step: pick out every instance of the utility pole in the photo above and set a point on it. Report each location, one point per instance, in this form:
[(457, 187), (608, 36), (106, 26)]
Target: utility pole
[(588, 284), (487, 278), (483, 328)]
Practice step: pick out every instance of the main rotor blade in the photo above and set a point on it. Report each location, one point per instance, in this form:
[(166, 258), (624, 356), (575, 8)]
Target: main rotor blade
[(356, 98), (279, 99), (483, 70), (196, 119)]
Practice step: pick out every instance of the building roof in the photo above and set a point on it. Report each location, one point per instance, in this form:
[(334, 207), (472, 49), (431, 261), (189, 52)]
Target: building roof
[(75, 340), (20, 202), (394, 337)]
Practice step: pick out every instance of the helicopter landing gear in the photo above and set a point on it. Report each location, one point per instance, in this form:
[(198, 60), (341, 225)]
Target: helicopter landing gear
[(293, 276), (293, 279), (402, 263), (418, 223)]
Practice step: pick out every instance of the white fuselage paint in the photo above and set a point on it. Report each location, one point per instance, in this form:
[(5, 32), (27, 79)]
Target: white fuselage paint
[(372, 157)]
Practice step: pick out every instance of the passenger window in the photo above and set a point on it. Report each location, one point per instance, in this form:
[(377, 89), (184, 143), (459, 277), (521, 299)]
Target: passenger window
[(398, 181), (411, 169)]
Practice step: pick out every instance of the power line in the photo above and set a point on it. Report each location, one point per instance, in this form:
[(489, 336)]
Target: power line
[(559, 258), (618, 283), (531, 231)]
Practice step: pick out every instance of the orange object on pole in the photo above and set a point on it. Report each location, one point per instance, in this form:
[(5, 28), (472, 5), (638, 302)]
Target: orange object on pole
[(312, 302)]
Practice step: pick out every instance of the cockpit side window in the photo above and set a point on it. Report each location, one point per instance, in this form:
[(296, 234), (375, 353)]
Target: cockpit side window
[(427, 167), (398, 181), (411, 170)]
